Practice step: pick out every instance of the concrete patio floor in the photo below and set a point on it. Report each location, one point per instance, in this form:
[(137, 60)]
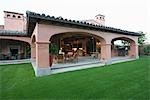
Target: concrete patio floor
[(82, 63), (85, 63), (5, 62)]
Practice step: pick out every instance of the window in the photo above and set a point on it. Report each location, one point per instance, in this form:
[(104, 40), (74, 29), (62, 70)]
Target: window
[(14, 16), (19, 16), (8, 15)]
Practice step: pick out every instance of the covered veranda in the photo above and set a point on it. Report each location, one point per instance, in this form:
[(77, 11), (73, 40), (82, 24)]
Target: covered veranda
[(14, 45), (72, 37), (73, 47)]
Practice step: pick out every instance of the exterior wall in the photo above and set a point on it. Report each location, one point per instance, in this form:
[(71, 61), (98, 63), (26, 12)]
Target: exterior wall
[(1, 27), (35, 33), (14, 21), (98, 20), (101, 22), (42, 55), (91, 21), (45, 32)]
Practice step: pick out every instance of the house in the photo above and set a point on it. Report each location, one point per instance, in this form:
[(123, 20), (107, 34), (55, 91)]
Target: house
[(74, 39)]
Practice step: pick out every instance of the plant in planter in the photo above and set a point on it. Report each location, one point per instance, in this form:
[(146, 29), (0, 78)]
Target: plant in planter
[(53, 51)]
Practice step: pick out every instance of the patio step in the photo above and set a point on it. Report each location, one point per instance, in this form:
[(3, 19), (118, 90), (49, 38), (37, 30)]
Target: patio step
[(74, 68), (67, 65)]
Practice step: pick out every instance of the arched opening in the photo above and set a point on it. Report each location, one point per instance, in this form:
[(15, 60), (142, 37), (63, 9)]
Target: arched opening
[(8, 15), (19, 16), (14, 16), (76, 47), (123, 47), (14, 49), (33, 47)]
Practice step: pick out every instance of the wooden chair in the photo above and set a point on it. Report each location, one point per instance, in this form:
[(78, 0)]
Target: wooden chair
[(74, 58), (60, 58)]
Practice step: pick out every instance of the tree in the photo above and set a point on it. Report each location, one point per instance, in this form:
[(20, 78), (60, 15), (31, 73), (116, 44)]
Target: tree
[(53, 49), (141, 38)]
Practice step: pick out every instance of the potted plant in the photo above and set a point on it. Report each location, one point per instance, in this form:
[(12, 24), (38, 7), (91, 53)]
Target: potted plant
[(53, 51)]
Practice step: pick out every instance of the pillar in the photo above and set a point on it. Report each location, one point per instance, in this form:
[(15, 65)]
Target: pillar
[(42, 59), (133, 53), (113, 51), (106, 53), (84, 44)]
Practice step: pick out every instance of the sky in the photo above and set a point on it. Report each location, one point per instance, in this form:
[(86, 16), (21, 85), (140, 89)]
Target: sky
[(131, 15)]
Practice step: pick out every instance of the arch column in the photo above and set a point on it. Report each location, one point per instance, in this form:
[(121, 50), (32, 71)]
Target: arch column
[(33, 51), (42, 59), (106, 53), (133, 53)]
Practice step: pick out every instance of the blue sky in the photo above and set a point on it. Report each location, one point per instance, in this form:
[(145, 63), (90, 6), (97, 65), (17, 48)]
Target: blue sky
[(132, 15)]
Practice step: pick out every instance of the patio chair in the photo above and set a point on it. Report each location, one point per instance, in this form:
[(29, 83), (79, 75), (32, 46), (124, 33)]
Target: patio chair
[(74, 58), (60, 58)]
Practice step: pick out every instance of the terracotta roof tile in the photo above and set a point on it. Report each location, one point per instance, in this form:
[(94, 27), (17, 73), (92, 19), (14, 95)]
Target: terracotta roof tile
[(12, 33), (37, 16)]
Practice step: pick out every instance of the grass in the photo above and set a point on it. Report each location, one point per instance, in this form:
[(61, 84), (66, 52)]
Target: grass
[(123, 81)]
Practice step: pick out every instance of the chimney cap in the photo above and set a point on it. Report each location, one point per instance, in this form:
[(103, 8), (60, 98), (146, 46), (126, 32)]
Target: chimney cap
[(100, 15), (13, 12)]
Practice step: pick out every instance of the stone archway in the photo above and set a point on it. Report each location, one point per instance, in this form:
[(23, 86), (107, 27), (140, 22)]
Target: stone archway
[(78, 40), (132, 46), (13, 49)]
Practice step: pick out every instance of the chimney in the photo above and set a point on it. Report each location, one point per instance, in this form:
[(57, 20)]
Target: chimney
[(100, 19)]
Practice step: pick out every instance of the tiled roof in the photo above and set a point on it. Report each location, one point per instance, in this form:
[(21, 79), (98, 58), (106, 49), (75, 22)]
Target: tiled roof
[(13, 12), (12, 33), (33, 17)]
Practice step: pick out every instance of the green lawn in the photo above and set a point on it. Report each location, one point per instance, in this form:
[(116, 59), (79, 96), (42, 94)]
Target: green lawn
[(124, 81)]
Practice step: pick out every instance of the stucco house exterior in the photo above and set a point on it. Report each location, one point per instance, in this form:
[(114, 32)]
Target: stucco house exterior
[(24, 37)]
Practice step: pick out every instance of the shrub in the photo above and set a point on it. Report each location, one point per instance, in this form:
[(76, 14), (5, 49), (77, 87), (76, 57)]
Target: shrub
[(147, 50), (53, 49)]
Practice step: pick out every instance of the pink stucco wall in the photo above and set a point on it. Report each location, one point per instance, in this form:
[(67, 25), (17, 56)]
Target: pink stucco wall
[(14, 21), (43, 33), (98, 20), (1, 27), (46, 31)]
